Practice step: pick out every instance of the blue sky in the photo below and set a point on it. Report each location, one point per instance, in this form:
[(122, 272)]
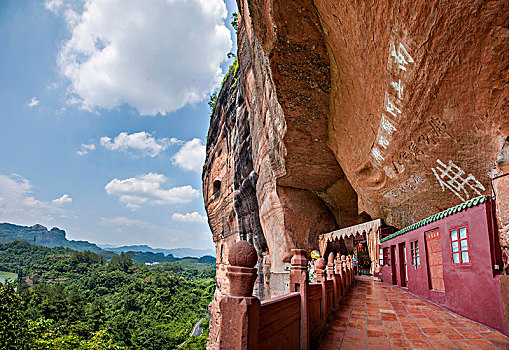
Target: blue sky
[(104, 116)]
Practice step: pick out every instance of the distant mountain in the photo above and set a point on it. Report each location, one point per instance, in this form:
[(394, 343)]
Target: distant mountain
[(176, 252), (40, 235)]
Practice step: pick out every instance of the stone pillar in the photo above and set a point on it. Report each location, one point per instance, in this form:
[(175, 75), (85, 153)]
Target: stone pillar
[(320, 277), (299, 282), (240, 310), (344, 275), (338, 264), (349, 266), (500, 178), (331, 272), (320, 270), (330, 266)]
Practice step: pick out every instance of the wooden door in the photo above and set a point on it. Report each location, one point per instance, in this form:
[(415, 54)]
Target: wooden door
[(402, 265), (393, 264), (435, 260)]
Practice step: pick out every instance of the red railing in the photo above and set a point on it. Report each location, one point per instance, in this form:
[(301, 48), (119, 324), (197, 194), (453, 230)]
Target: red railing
[(291, 321)]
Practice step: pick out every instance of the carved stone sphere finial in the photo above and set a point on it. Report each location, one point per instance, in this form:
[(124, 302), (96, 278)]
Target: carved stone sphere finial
[(242, 254), (320, 263), (331, 258)]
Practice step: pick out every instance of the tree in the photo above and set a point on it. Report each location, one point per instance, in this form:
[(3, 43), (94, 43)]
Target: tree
[(235, 22), (12, 319)]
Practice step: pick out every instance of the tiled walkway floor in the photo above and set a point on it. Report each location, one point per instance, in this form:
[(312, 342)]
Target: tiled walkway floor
[(375, 315)]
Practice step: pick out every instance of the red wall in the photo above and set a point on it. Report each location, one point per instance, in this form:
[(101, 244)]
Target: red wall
[(471, 291)]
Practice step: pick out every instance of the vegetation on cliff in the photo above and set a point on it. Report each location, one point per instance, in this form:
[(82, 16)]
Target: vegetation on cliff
[(79, 300)]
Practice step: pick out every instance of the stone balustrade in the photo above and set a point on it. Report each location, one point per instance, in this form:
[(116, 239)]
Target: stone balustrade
[(292, 321)]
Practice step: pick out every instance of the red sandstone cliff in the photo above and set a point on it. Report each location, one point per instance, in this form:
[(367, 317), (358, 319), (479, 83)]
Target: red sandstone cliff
[(344, 111)]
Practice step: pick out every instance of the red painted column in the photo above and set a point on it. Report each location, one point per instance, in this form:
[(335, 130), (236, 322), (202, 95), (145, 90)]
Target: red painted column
[(299, 282), (240, 310)]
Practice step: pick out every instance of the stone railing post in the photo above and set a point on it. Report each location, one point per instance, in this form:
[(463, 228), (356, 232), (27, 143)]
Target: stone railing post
[(299, 282), (330, 266), (321, 278), (339, 267), (320, 270), (240, 310), (338, 263), (349, 263), (331, 271), (345, 272), (353, 270)]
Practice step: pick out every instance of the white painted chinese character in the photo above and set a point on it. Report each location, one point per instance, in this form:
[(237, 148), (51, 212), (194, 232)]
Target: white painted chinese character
[(389, 172), (398, 87), (418, 179), (382, 141), (391, 108), (377, 154), (386, 125), (453, 177), (401, 56), (402, 189), (410, 186)]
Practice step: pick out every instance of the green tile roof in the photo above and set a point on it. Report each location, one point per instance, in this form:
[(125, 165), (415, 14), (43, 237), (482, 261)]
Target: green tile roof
[(468, 204)]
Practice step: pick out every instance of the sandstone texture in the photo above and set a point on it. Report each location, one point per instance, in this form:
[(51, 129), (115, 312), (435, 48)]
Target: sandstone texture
[(343, 112)]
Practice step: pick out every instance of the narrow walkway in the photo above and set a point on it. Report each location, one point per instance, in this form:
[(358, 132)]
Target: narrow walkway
[(375, 315)]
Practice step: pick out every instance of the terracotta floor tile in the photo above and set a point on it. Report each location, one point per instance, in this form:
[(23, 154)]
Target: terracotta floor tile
[(397, 335), (498, 337), (379, 316), (376, 327), (430, 330), (454, 335), (437, 336), (462, 343), (443, 344), (420, 336), (376, 334), (480, 343), (399, 343), (382, 341), (356, 332), (356, 326), (418, 343), (352, 346), (472, 335)]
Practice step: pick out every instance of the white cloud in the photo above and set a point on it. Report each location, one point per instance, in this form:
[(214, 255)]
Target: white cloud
[(20, 206), (143, 142), (62, 200), (123, 221), (189, 217), (34, 101), (147, 189), (54, 5), (85, 148), (191, 156), (133, 206), (156, 56)]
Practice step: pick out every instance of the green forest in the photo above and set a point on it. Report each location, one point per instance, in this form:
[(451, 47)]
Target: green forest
[(67, 299)]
